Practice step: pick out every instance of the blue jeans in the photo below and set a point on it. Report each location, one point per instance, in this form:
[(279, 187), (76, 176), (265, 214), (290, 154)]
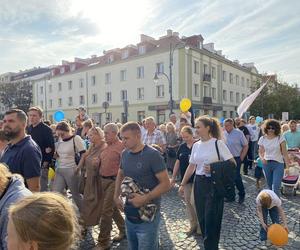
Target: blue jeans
[(273, 212), (143, 236), (238, 178), (274, 171)]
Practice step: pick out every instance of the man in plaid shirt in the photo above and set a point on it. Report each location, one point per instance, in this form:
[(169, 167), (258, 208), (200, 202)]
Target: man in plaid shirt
[(153, 135)]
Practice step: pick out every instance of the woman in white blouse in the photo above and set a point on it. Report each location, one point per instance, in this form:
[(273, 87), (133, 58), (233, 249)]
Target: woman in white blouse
[(273, 154), (209, 205)]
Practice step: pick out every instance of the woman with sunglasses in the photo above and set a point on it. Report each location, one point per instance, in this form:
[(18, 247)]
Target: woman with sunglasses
[(273, 153)]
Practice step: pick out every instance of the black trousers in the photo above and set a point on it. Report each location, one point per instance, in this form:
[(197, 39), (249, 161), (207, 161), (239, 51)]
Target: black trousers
[(209, 208)]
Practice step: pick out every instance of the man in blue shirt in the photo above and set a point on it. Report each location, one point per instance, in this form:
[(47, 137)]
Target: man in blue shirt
[(23, 156), (238, 146), (292, 136)]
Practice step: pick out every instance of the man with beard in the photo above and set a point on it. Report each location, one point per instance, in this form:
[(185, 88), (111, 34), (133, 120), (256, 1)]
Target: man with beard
[(23, 155)]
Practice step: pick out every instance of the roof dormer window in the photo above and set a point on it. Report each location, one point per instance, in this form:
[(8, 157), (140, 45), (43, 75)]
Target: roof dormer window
[(125, 54), (142, 49), (62, 70)]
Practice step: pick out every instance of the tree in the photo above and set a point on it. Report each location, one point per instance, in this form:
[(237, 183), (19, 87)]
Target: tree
[(16, 94), (276, 98)]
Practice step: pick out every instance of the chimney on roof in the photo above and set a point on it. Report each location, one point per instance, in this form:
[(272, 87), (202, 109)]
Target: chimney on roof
[(169, 32), (176, 34)]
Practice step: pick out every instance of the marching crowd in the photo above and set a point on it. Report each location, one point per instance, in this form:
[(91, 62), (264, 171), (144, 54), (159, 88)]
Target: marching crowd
[(126, 168)]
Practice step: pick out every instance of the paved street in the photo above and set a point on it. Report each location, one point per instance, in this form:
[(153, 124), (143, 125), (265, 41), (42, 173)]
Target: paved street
[(239, 229)]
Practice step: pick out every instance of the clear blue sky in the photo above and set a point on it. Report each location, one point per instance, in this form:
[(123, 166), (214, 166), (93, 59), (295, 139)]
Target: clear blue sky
[(42, 33)]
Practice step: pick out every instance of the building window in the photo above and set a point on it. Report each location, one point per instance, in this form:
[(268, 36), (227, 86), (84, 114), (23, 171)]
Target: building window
[(123, 75), (225, 114), (141, 115), (123, 95), (50, 88), (140, 93), (215, 113), (41, 90), (231, 96), (93, 80), (108, 117), (205, 69), (140, 72), (108, 96), (214, 93), (224, 76), (81, 83), (81, 100), (160, 67), (50, 103), (161, 116), (206, 91), (94, 98), (237, 80), (69, 85), (213, 72), (59, 102), (142, 49), (243, 81), (196, 90), (70, 102), (237, 97), (196, 67), (248, 83), (243, 97), (230, 77), (125, 54), (224, 95), (160, 92), (107, 78), (232, 114)]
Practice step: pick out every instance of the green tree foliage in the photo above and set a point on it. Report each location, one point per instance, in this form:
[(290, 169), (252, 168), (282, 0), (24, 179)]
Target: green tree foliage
[(276, 98), (16, 94)]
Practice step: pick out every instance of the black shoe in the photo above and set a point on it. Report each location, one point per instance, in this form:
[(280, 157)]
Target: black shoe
[(241, 199), (246, 173)]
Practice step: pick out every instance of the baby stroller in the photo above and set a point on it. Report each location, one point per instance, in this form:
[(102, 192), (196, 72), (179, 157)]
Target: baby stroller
[(291, 180)]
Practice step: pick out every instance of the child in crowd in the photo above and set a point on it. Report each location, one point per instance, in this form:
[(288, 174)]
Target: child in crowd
[(269, 203), (258, 173)]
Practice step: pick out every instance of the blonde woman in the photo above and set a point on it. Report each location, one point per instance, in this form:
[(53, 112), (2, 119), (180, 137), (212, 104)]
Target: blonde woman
[(172, 145), (89, 165), (42, 221)]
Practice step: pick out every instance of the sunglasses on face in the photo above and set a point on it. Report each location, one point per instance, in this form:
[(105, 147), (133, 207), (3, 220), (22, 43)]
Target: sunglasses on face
[(270, 128)]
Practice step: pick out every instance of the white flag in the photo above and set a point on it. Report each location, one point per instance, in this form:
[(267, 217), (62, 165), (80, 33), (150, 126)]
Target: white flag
[(249, 100)]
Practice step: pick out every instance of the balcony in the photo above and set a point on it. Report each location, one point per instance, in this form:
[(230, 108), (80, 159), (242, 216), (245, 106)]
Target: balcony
[(207, 77), (207, 100)]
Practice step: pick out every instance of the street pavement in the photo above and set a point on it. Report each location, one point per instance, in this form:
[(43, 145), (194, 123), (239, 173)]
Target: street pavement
[(240, 226)]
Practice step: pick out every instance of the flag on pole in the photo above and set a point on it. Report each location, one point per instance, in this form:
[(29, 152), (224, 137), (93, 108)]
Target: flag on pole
[(246, 103)]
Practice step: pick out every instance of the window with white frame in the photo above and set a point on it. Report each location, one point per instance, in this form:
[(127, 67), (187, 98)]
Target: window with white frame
[(237, 97), (123, 75), (141, 115), (69, 85), (93, 79), (205, 69), (213, 73), (142, 49), (50, 103), (225, 114), (107, 78), (206, 91), (70, 101), (243, 81), (59, 102), (160, 67), (81, 100), (230, 77), (111, 58), (214, 93), (125, 54), (196, 90), (224, 76), (196, 67), (140, 72), (231, 96), (94, 98), (160, 92), (81, 82), (237, 80), (41, 90), (108, 96), (50, 88), (224, 95), (140, 93), (123, 95)]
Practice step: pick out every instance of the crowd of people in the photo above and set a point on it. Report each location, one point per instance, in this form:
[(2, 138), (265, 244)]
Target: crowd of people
[(126, 168)]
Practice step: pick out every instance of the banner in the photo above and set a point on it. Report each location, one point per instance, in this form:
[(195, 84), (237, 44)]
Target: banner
[(246, 103)]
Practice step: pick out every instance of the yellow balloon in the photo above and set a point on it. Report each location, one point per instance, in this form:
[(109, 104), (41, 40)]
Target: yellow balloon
[(185, 104), (51, 174)]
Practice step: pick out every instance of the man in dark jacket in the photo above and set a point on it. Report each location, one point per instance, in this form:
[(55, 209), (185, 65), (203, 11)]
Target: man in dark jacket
[(42, 135)]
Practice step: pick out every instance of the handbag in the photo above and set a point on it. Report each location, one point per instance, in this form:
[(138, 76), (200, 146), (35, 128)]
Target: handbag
[(223, 175), (77, 156)]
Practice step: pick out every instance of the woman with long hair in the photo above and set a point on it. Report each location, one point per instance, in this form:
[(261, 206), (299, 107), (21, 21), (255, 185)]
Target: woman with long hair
[(209, 205)]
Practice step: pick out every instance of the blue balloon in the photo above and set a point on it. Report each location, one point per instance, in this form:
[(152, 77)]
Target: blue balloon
[(259, 119), (222, 119), (58, 116)]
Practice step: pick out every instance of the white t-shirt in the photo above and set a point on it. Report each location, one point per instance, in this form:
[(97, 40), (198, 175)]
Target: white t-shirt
[(254, 131), (272, 148), (276, 202), (65, 151), (205, 153)]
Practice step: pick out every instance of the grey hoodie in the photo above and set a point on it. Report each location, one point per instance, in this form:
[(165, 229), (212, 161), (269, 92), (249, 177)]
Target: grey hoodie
[(15, 192)]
